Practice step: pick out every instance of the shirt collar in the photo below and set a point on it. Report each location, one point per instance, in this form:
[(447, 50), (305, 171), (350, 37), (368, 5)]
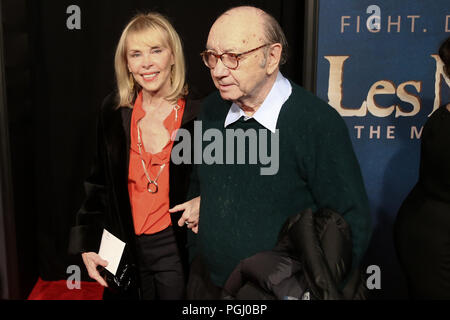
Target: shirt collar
[(267, 114)]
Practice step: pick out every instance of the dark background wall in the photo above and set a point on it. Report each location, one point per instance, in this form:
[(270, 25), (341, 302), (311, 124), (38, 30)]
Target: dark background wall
[(56, 79), (8, 252), (18, 169)]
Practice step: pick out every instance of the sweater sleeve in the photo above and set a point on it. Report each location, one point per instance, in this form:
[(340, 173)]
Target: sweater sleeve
[(334, 176)]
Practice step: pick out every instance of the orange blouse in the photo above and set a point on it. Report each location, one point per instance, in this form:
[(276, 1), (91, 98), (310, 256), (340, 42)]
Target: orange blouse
[(150, 210)]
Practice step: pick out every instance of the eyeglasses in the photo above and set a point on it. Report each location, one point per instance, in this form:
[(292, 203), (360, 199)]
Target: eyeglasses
[(230, 60)]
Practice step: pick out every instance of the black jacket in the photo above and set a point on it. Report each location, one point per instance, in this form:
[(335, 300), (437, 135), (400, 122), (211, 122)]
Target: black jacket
[(107, 203), (312, 260)]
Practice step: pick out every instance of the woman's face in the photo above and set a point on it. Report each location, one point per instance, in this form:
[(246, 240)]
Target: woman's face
[(150, 62)]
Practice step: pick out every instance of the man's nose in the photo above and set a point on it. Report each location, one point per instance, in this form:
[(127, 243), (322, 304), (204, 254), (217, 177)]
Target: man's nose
[(220, 71)]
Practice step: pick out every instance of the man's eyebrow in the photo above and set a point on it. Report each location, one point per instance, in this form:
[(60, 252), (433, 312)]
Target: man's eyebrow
[(232, 50)]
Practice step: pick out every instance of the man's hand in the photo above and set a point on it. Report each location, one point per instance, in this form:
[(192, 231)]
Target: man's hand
[(91, 261), (191, 214)]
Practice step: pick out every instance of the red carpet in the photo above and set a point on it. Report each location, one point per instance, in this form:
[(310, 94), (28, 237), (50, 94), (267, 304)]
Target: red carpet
[(57, 290)]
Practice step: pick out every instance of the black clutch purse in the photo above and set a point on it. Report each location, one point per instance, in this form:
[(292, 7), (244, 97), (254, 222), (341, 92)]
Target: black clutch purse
[(126, 277), (124, 280)]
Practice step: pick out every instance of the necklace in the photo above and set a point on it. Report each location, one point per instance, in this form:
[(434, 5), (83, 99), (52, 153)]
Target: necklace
[(152, 185)]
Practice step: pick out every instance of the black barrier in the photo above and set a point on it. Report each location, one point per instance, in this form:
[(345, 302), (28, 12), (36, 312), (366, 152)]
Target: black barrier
[(9, 277), (310, 45)]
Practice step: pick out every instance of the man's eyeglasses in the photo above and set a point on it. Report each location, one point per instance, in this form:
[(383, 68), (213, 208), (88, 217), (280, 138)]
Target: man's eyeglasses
[(230, 60)]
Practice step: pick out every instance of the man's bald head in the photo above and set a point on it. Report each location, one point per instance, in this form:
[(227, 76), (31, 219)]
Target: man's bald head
[(256, 19), (247, 12)]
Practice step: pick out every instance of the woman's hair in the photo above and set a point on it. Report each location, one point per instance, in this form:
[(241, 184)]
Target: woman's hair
[(444, 54), (149, 22)]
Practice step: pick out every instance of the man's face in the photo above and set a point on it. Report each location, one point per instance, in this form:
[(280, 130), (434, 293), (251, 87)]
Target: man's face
[(235, 34)]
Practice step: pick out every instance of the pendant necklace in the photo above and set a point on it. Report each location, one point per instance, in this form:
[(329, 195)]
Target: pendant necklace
[(152, 185)]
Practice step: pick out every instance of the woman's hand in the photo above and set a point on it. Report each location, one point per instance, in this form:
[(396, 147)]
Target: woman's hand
[(91, 261), (191, 214)]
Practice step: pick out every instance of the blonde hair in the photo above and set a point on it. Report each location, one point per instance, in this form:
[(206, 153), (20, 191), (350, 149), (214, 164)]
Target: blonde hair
[(146, 22)]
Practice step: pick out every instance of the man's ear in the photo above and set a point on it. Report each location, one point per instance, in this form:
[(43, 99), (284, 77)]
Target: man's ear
[(273, 58)]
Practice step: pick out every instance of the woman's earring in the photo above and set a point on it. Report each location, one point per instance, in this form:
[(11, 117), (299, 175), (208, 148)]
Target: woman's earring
[(131, 82)]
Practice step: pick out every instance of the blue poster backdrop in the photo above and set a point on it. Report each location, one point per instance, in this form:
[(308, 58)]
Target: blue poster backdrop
[(378, 66)]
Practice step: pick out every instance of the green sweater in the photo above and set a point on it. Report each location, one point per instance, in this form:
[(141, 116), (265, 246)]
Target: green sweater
[(242, 211)]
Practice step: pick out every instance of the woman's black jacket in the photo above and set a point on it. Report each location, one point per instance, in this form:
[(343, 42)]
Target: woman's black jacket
[(107, 204)]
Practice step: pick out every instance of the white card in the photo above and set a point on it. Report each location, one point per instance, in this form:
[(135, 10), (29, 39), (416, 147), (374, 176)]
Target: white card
[(111, 249)]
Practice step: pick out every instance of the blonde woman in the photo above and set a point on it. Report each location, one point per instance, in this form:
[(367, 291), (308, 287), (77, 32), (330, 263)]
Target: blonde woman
[(128, 192)]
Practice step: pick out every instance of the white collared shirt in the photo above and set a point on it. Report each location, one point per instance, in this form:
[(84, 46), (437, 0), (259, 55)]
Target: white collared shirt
[(267, 114)]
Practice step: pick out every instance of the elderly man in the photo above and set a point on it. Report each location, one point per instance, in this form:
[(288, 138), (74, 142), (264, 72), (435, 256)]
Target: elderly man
[(241, 208)]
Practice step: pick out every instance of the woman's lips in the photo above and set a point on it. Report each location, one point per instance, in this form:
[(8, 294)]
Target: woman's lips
[(148, 77)]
